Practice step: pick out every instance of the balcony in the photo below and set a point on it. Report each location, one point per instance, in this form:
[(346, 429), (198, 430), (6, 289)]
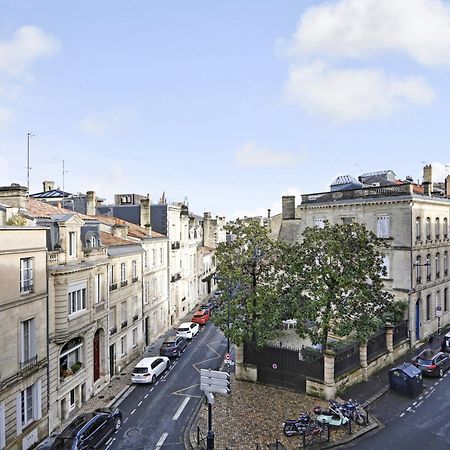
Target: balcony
[(175, 277), (135, 279), (94, 251), (124, 324), (29, 363), (135, 317), (124, 283), (112, 330), (175, 245), (113, 287)]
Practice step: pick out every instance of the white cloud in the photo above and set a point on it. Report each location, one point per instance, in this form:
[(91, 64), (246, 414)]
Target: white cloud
[(249, 155), (28, 44), (358, 28), (353, 94), (100, 124), (440, 171)]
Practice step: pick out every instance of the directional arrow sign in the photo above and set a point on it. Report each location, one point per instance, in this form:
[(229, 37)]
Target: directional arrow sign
[(216, 390), (219, 382), (214, 374), (214, 381)]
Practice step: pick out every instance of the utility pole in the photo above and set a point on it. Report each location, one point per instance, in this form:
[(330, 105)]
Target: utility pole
[(28, 163)]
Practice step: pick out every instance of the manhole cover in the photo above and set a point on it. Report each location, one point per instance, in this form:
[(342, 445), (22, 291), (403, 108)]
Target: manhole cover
[(133, 432)]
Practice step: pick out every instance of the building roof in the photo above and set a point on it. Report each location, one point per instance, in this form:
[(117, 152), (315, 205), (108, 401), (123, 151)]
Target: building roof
[(52, 193), (109, 240)]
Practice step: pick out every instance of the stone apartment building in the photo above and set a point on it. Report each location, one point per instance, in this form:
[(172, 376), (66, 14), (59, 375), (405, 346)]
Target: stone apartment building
[(412, 218), (23, 330)]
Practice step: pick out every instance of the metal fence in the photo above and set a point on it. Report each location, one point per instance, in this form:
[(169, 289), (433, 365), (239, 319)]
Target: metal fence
[(376, 345), (400, 332), (346, 359)]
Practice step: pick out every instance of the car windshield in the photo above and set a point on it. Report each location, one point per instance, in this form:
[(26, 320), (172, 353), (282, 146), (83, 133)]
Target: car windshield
[(140, 370), (62, 444), (199, 314), (183, 329), (424, 362), (169, 344)]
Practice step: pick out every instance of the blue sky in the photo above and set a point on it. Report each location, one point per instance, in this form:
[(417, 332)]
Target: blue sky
[(232, 104)]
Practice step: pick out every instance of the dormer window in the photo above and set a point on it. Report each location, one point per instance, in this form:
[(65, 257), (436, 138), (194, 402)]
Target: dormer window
[(72, 243), (93, 241)]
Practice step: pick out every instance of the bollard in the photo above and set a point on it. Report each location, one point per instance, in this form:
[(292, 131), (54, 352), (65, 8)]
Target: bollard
[(304, 440), (367, 417), (328, 433), (198, 435), (349, 427), (210, 440)]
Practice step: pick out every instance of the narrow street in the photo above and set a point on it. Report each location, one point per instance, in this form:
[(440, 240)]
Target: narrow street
[(157, 415)]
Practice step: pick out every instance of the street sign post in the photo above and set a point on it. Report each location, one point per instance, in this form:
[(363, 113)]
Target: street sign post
[(214, 381)]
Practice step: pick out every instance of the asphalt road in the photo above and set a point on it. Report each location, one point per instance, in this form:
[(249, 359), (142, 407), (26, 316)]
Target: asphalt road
[(412, 424), (156, 416)]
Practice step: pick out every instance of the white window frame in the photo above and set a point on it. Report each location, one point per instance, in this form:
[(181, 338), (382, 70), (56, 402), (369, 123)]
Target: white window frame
[(383, 227), (78, 350), (77, 298), (27, 340), (145, 293), (27, 413), (98, 287), (72, 243), (387, 264), (123, 272), (72, 404), (133, 269), (135, 337), (123, 345), (26, 275), (124, 312)]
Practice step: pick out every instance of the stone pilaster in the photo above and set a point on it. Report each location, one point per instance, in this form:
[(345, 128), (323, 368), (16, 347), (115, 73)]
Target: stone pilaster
[(390, 341), (328, 374), (363, 360)]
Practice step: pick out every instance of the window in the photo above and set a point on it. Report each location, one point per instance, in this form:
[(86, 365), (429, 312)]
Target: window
[(383, 226), (161, 255), (445, 299), (418, 229), (428, 266), (112, 320), (136, 306), (427, 228), (145, 258), (154, 257), (445, 263), (72, 399), (123, 314), (93, 242), (436, 228), (71, 357), (77, 298), (387, 266), (28, 406), (72, 243), (123, 345), (418, 270), (98, 287), (445, 228), (145, 293), (123, 274), (26, 275), (428, 307), (28, 343), (319, 223), (133, 270), (438, 265), (134, 337), (112, 277), (347, 220)]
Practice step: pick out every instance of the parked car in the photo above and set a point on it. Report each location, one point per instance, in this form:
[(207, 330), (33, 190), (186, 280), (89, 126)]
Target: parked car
[(201, 317), (445, 344), (172, 346), (207, 307), (147, 370), (188, 330), (89, 431), (432, 363)]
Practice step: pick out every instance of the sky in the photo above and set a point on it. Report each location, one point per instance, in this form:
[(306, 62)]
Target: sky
[(229, 104)]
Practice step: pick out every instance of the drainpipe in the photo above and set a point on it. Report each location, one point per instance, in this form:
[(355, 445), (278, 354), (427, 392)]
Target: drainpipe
[(411, 270), (48, 352)]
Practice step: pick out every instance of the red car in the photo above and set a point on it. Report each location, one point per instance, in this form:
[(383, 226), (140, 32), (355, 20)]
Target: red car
[(201, 317)]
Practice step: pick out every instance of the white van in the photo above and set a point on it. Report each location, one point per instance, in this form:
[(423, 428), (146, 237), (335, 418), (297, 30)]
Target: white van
[(147, 370)]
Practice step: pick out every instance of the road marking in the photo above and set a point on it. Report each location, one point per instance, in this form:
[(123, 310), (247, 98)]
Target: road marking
[(402, 414), (140, 403), (436, 383), (160, 443), (152, 389), (110, 443), (421, 397), (125, 419), (415, 403), (180, 409), (134, 410), (146, 395), (408, 408)]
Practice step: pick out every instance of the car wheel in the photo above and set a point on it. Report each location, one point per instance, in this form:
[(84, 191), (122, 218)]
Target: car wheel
[(117, 423), (441, 372), (153, 379)]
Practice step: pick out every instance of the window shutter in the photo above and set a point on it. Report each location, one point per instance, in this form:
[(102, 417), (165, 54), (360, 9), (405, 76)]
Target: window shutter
[(2, 427), (33, 346), (37, 400), (31, 272), (18, 414), (22, 341)]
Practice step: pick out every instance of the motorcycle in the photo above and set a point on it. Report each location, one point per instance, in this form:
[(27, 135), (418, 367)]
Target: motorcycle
[(332, 417), (352, 410), (298, 426)]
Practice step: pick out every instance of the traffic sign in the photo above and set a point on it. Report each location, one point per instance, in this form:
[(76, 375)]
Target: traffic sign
[(214, 381), (227, 357), (438, 311)]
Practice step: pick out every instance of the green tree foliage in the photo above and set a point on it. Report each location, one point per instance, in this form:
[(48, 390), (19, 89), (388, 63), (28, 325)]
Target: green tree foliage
[(336, 282), (251, 281), (17, 221)]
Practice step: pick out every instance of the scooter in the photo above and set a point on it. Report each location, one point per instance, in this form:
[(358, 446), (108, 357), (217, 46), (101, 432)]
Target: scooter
[(332, 417), (352, 410)]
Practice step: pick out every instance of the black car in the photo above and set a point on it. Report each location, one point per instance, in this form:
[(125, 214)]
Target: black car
[(89, 431), (207, 307), (172, 346), (432, 363)]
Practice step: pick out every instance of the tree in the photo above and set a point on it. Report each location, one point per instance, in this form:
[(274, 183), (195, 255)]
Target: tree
[(16, 220), (336, 282), (251, 279)]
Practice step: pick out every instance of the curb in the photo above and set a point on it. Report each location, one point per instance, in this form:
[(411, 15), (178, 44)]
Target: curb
[(120, 394), (375, 396), (187, 432)]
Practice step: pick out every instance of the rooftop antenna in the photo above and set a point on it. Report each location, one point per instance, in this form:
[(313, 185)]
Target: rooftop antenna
[(28, 163)]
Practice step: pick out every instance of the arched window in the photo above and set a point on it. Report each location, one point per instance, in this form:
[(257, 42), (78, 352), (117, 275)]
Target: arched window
[(428, 266), (428, 228), (94, 241), (418, 229), (438, 265), (418, 270), (445, 228), (71, 357), (437, 228)]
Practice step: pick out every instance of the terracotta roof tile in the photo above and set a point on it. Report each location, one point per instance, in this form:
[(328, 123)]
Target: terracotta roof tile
[(108, 240)]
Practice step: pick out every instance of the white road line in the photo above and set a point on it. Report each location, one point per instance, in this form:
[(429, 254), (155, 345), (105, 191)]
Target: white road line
[(415, 403), (125, 419), (180, 409), (402, 414), (134, 410), (146, 395), (110, 443), (408, 408), (160, 443), (152, 389), (436, 383), (421, 397), (140, 403)]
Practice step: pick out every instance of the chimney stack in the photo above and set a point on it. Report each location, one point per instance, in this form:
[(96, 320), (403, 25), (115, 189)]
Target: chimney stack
[(119, 230), (447, 186), (14, 195), (48, 185), (145, 215), (428, 174), (288, 207), (90, 203), (427, 188)]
